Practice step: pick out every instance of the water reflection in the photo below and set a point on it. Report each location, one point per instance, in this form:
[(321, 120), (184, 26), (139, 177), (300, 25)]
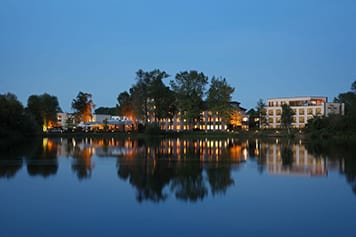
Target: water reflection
[(291, 159), (189, 170)]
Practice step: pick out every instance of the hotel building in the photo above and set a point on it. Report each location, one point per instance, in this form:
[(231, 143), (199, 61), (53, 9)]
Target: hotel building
[(304, 108)]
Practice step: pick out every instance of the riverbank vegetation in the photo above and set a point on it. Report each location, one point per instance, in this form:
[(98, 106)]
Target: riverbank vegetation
[(17, 124), (341, 127)]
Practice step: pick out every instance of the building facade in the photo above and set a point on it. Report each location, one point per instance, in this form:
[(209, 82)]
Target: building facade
[(304, 108), (208, 121)]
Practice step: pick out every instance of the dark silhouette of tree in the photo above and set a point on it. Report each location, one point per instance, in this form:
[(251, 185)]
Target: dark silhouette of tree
[(82, 106), (161, 97), (262, 114), (149, 96), (44, 109), (16, 124), (124, 104), (287, 117), (218, 98), (139, 95), (189, 88), (349, 99)]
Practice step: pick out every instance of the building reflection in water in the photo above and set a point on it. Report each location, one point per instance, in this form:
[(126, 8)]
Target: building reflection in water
[(189, 169), (292, 159)]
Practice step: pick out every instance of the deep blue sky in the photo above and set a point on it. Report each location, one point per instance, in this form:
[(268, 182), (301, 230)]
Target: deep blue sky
[(274, 48)]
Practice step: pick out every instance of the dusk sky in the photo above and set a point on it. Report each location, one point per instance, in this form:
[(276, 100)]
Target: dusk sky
[(264, 49)]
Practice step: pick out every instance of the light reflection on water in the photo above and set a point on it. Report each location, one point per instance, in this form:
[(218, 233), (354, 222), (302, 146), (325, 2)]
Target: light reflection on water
[(236, 184), (171, 158)]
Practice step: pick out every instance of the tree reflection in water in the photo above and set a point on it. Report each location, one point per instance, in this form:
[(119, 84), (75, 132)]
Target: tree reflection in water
[(341, 156), (178, 166), (188, 170), (188, 183), (43, 161)]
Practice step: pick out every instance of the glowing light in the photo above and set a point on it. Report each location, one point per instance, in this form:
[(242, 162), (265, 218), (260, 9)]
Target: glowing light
[(244, 153)]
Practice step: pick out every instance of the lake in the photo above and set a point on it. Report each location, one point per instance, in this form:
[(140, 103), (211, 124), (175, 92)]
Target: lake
[(177, 187)]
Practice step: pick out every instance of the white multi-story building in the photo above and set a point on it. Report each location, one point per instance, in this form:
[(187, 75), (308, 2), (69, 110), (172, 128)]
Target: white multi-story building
[(304, 108)]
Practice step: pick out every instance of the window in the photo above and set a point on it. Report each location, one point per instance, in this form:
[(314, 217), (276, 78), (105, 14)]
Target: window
[(301, 119), (278, 112), (310, 111), (270, 112), (301, 111), (318, 111)]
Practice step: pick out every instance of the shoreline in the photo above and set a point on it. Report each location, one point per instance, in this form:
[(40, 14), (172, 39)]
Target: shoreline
[(254, 134)]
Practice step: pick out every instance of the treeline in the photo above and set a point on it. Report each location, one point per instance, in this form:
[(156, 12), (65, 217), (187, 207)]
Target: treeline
[(149, 95), (337, 126), (149, 99), (18, 122), (187, 94)]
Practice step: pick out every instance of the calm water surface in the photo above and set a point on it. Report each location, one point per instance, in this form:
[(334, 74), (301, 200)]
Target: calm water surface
[(175, 187)]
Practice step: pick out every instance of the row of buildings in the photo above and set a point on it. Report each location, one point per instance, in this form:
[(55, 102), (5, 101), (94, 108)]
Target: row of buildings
[(304, 109)]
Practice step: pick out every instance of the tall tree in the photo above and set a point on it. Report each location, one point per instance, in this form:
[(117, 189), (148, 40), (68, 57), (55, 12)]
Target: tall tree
[(160, 96), (261, 111), (254, 119), (82, 106), (219, 96), (44, 109), (189, 88), (287, 116), (349, 99), (139, 96), (149, 97), (124, 104), (15, 122)]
